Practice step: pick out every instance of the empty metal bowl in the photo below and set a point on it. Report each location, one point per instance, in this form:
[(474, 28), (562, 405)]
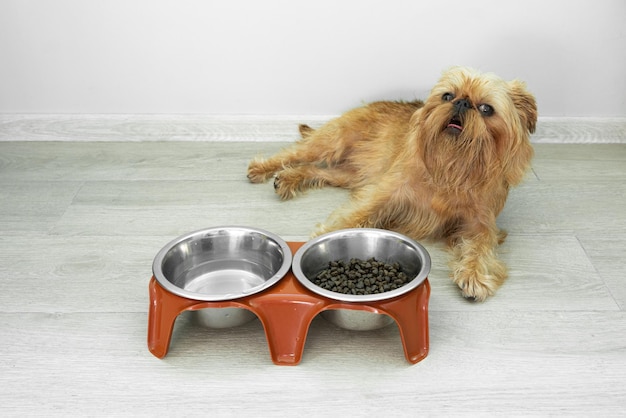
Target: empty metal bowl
[(220, 264), (361, 243)]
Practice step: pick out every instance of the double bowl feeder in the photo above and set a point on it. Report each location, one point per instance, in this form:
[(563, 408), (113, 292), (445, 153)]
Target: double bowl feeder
[(231, 275)]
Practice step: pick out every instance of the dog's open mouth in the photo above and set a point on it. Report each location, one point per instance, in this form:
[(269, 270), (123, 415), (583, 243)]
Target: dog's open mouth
[(455, 126)]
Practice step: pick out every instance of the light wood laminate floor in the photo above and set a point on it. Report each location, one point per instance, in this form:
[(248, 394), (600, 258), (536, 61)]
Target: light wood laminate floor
[(80, 224)]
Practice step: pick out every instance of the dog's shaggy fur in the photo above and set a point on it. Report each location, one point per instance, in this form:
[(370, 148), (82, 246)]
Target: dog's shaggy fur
[(439, 169)]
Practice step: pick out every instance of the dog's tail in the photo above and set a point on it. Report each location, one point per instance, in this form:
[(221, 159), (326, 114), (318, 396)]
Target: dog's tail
[(305, 130)]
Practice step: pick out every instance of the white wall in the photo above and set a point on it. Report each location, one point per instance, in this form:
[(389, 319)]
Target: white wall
[(301, 57)]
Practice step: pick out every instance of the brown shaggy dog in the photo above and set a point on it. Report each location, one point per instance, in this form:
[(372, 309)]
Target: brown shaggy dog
[(439, 169)]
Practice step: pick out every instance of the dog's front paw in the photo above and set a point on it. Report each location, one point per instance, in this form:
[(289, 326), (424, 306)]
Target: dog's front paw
[(258, 172), (478, 283), (475, 286), (477, 270)]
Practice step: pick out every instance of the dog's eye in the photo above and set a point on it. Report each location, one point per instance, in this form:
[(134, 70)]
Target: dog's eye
[(448, 97), (485, 109)]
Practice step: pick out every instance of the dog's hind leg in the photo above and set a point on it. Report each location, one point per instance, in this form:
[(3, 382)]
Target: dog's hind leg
[(293, 180), (372, 206), (300, 153), (261, 170), (317, 147)]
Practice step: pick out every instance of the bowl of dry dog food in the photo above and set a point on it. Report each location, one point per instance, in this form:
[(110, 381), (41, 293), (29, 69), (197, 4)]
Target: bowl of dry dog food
[(358, 266), (220, 264)]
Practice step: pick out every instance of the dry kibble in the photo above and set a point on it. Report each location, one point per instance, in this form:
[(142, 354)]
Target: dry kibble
[(361, 277)]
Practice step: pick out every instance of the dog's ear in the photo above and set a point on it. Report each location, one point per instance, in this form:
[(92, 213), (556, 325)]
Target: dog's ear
[(525, 104)]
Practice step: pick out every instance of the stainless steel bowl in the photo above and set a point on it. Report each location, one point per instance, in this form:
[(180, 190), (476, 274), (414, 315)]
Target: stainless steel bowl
[(219, 264), (362, 243)]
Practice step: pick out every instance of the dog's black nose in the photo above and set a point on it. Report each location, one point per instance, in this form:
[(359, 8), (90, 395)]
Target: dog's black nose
[(461, 106)]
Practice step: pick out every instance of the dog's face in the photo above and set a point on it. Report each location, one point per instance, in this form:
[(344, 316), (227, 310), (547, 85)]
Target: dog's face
[(477, 126)]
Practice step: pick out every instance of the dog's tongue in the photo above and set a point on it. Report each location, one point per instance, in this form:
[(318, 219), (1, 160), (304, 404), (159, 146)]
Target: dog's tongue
[(453, 125)]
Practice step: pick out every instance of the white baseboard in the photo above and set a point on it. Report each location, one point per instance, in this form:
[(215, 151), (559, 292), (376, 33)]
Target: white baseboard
[(136, 128), (580, 130)]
